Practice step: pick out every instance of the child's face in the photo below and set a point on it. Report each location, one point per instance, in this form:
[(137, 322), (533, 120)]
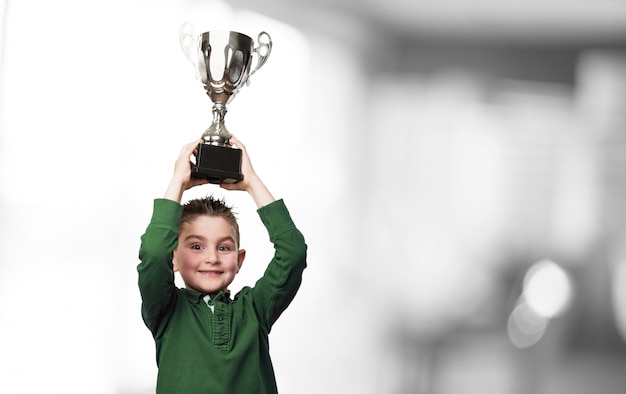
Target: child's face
[(207, 256)]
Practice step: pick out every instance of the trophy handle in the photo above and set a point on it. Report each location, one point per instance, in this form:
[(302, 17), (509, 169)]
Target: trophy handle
[(187, 41), (263, 50)]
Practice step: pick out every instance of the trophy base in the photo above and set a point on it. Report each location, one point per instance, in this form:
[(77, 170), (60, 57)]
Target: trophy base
[(217, 164)]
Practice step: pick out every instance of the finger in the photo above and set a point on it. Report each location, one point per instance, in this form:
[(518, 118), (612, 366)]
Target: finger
[(230, 186), (236, 141), (193, 145), (189, 149), (197, 181)]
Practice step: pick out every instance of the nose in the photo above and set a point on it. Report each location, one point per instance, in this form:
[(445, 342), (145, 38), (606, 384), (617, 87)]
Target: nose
[(211, 257)]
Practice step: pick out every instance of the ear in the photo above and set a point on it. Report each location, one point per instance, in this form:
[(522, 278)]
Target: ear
[(174, 264), (241, 255)]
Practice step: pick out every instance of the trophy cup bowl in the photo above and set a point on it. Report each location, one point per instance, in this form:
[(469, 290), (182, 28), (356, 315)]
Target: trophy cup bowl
[(223, 61)]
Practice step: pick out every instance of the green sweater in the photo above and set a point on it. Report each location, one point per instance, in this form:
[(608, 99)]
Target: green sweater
[(227, 350)]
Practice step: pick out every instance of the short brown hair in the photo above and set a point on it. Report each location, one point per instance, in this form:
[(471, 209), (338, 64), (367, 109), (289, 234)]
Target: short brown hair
[(212, 207)]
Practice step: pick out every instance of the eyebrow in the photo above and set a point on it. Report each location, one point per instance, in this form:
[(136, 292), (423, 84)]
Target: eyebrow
[(193, 236), (203, 238)]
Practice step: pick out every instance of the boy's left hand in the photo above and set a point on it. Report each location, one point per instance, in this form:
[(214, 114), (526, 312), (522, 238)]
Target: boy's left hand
[(251, 182), (246, 169)]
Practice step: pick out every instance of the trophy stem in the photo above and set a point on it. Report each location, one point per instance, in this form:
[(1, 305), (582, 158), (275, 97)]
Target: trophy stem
[(217, 134)]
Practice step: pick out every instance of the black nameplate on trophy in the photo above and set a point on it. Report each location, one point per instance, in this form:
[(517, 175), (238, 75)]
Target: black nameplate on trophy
[(217, 164)]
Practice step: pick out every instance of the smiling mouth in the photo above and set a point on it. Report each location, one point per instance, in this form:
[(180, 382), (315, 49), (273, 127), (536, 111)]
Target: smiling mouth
[(210, 273)]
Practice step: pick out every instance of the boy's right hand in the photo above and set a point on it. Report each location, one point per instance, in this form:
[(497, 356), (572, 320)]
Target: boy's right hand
[(181, 179)]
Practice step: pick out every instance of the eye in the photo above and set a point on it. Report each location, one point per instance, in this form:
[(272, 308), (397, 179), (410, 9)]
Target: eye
[(196, 247), (224, 248)]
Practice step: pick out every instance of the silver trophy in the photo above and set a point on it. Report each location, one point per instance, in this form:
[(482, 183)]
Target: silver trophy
[(223, 62)]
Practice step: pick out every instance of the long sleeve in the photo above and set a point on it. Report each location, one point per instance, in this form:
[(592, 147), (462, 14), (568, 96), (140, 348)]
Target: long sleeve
[(276, 289), (156, 277)]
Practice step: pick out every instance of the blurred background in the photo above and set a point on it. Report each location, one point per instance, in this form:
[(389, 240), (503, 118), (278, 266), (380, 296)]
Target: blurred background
[(458, 169)]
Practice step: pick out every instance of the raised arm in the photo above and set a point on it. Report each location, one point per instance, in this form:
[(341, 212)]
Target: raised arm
[(156, 276), (283, 275)]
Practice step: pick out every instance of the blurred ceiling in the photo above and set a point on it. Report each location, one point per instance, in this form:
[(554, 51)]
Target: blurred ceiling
[(536, 21)]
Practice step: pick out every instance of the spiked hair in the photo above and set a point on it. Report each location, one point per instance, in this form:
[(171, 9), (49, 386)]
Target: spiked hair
[(212, 207)]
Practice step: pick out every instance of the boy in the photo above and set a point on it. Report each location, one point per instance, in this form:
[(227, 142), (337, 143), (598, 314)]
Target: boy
[(207, 342)]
